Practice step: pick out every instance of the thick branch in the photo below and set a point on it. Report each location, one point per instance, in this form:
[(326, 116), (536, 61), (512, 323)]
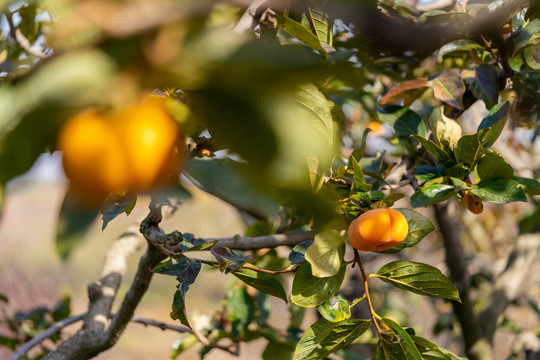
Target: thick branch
[(94, 337), (58, 326), (457, 265)]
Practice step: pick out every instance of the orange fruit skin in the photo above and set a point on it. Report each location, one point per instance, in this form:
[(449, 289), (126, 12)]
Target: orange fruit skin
[(377, 230), (149, 136), (93, 158), (133, 150)]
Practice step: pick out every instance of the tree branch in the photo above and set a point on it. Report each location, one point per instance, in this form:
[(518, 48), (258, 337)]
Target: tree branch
[(58, 326), (23, 42), (250, 17), (457, 265), (94, 337)]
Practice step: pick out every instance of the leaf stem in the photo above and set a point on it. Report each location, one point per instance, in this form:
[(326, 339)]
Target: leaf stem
[(366, 291), (271, 272)]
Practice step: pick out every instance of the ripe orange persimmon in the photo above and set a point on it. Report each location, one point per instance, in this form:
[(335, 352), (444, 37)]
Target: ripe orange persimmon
[(132, 150), (378, 229)]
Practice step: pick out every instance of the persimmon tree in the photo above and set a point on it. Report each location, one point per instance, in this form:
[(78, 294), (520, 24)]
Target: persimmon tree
[(303, 115)]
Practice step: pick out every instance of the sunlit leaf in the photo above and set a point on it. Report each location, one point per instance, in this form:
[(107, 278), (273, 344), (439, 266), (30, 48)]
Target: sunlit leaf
[(325, 337), (448, 87), (300, 32), (325, 253), (335, 309), (446, 131), (495, 120), (297, 254), (499, 190), (418, 278)]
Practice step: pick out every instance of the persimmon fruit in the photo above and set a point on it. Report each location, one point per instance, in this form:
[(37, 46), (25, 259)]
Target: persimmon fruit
[(132, 150), (378, 229)]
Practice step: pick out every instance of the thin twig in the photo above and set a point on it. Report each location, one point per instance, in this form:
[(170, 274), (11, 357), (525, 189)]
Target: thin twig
[(246, 266), (47, 333), (23, 42), (58, 326), (366, 290)]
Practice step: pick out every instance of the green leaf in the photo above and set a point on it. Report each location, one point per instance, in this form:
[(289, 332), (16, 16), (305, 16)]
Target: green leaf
[(320, 21), (432, 194), (324, 338), (484, 83), (312, 100), (183, 343), (300, 32), (297, 254), (276, 351), (387, 350), (460, 46), (116, 204), (418, 278), (446, 131), (526, 33), (309, 291), (499, 190), (325, 253), (391, 199), (448, 87), (431, 351), (405, 122), (434, 149), (531, 55), (419, 227), (530, 186), (495, 120), (191, 243), (315, 172), (493, 165), (359, 183), (409, 349), (263, 282), (178, 311), (74, 221), (459, 185), (335, 309), (470, 148), (228, 260), (402, 90)]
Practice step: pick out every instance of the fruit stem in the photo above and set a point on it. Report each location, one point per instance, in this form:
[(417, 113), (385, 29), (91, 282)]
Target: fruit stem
[(366, 291)]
